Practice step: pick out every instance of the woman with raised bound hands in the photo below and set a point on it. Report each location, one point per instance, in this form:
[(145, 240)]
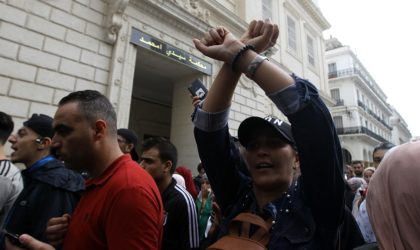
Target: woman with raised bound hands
[(306, 213)]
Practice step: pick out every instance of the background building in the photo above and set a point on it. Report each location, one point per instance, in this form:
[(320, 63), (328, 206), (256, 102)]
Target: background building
[(361, 114), (400, 132), (140, 54)]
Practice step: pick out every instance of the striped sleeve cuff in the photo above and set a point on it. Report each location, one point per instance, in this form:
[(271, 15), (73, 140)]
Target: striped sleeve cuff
[(210, 122), (294, 97)]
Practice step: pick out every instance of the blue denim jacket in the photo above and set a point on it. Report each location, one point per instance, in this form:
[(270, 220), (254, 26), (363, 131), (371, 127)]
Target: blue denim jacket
[(309, 215)]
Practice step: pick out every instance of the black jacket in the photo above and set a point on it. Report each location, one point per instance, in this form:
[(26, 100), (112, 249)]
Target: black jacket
[(180, 227), (312, 213), (49, 191)]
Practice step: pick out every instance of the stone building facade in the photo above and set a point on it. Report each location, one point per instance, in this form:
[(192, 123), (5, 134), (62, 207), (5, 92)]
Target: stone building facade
[(140, 54)]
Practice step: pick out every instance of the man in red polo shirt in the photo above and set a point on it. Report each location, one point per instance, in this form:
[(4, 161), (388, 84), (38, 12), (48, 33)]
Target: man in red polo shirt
[(121, 207)]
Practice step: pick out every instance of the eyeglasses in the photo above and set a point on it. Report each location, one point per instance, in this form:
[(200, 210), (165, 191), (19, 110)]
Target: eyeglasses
[(121, 140), (377, 159)]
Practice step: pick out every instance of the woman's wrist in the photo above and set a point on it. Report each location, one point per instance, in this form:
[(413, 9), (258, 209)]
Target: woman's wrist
[(241, 56), (232, 50), (254, 65), (238, 55), (245, 60)]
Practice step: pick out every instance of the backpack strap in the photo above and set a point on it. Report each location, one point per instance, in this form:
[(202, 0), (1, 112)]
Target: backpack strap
[(241, 225)]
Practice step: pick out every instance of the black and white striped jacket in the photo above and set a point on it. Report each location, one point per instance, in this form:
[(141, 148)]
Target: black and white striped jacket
[(180, 229)]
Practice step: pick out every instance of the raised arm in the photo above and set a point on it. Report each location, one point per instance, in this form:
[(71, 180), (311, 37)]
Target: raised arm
[(314, 132), (220, 94), (217, 151)]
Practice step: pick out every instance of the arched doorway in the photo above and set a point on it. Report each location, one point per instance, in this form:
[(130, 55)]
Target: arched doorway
[(346, 156)]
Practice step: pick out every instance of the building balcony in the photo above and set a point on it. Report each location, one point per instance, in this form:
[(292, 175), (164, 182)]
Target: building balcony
[(360, 130), (339, 102), (348, 72), (361, 104), (384, 123), (359, 73), (332, 75), (370, 112)]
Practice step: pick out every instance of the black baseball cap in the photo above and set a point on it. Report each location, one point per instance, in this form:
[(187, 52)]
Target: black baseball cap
[(131, 137), (41, 124), (253, 124)]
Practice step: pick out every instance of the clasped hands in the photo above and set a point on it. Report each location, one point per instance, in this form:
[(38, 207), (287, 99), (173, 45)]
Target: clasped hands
[(220, 44)]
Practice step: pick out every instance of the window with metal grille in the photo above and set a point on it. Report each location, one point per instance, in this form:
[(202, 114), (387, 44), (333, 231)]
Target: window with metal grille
[(311, 50), (338, 121), (291, 33), (335, 94), (332, 68)]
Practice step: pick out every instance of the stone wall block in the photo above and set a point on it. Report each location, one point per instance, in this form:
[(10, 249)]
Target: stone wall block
[(12, 14), (55, 79), (46, 27), (82, 40), (14, 69), (62, 49), (4, 85), (30, 6), (95, 60), (68, 20), (8, 49), (31, 91), (61, 4), (8, 105), (87, 14), (38, 58), (77, 69), (21, 36)]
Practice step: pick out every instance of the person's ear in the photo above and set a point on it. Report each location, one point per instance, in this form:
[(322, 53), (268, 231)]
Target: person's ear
[(100, 128), (43, 143), (129, 146), (297, 162), (167, 167)]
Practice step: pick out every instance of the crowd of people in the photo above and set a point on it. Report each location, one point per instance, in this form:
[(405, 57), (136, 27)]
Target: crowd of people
[(276, 185)]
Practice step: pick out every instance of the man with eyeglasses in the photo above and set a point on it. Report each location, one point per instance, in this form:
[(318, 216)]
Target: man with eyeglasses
[(379, 152), (50, 189)]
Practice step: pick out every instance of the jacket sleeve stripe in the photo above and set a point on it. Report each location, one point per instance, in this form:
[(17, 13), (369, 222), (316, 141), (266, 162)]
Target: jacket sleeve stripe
[(192, 217)]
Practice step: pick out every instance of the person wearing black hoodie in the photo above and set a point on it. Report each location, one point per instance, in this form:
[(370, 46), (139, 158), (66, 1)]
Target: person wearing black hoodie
[(50, 189)]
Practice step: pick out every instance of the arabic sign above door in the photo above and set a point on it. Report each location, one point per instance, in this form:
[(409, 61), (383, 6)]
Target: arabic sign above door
[(146, 41)]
